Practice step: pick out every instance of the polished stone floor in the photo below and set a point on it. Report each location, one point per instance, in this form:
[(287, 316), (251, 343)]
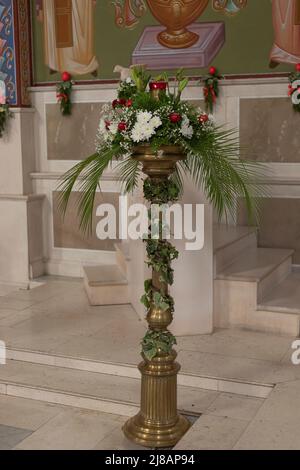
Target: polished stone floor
[(56, 318), (33, 425)]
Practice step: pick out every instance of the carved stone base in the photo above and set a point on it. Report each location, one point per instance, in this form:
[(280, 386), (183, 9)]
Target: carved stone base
[(202, 44)]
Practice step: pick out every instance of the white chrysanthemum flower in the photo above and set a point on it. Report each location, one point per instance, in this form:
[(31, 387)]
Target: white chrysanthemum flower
[(148, 132), (155, 121), (136, 134), (144, 117)]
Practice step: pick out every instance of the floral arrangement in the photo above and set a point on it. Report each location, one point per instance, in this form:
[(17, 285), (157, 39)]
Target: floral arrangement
[(150, 112), (64, 92), (211, 88), (5, 114), (294, 88)]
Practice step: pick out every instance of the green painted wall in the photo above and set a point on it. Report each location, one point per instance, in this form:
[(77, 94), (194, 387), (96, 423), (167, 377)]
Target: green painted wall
[(249, 38)]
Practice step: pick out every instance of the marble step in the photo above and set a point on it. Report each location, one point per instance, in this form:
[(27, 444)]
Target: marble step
[(128, 371), (229, 242), (266, 267), (105, 285), (122, 256), (87, 390), (239, 291), (285, 298)]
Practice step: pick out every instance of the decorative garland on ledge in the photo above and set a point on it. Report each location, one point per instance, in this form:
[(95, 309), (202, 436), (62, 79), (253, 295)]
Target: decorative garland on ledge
[(64, 91), (5, 115), (160, 255), (211, 89), (294, 88)]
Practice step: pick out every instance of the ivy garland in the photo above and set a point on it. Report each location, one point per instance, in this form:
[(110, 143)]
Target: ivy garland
[(158, 299), (161, 192), (160, 255), (156, 341), (5, 115)]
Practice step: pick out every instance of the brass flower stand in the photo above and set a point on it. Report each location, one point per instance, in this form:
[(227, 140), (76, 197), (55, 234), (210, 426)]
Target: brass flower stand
[(158, 423)]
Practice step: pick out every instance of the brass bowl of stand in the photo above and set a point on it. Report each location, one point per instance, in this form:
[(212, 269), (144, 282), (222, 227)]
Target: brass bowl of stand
[(176, 15), (159, 319)]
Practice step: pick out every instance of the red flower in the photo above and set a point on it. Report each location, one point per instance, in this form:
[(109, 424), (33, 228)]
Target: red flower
[(122, 126), (298, 67), (212, 70), (107, 124), (203, 118), (120, 102), (175, 117), (129, 103), (66, 77)]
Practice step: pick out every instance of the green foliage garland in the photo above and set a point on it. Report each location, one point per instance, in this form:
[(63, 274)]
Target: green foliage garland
[(155, 342), (211, 89), (5, 115), (158, 299), (160, 254), (63, 94), (161, 192)]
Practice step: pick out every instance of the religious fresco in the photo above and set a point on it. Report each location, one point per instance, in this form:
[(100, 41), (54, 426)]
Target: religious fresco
[(286, 21), (68, 29), (7, 56), (89, 37)]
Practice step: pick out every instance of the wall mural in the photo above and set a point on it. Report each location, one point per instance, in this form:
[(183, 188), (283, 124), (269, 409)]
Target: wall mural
[(7, 57), (88, 37), (68, 27), (286, 20)]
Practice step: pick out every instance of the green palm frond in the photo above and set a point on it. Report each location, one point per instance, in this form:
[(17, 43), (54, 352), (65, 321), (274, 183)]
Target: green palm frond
[(225, 179), (128, 171), (177, 178), (88, 174)]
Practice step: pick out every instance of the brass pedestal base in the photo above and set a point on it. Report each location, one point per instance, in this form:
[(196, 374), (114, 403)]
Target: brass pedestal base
[(147, 434), (158, 424), (178, 40)]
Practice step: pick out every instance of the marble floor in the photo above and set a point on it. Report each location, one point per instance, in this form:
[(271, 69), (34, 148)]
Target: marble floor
[(34, 425), (55, 318)]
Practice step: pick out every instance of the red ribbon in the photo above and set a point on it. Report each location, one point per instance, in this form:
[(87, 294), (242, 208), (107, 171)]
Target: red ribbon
[(210, 91), (62, 96)]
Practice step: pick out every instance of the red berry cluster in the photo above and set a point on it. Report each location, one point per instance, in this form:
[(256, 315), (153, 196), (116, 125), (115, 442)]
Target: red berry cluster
[(176, 117), (122, 102)]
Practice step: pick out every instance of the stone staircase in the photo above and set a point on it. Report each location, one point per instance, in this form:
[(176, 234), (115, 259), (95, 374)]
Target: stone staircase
[(107, 284), (254, 288), (104, 386)]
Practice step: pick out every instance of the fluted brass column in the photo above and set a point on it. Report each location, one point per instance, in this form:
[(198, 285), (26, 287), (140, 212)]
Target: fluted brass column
[(158, 423)]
